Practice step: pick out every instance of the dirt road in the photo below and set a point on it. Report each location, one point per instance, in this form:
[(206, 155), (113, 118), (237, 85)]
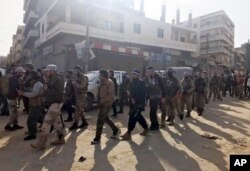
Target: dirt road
[(181, 148)]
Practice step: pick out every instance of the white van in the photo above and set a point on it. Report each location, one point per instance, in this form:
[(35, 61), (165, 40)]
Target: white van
[(2, 71), (93, 77)]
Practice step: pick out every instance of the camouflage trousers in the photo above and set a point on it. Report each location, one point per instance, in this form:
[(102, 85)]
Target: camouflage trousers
[(169, 108), (79, 110), (13, 114), (53, 117)]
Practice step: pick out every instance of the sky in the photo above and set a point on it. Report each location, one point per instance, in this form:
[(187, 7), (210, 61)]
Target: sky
[(11, 15)]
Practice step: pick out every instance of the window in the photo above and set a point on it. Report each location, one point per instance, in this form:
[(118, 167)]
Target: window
[(182, 39), (160, 33), (42, 28), (195, 25), (137, 28), (108, 25)]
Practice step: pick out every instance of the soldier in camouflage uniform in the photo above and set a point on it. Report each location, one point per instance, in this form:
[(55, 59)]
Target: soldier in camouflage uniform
[(200, 88), (69, 97), (172, 88), (54, 99), (187, 94), (214, 87), (14, 85), (81, 87)]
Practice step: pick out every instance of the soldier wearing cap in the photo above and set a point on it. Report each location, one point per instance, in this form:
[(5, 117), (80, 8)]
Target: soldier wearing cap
[(14, 85), (54, 99), (199, 95), (187, 94), (137, 96), (81, 88), (69, 96), (171, 96), (155, 92), (105, 100), (36, 101)]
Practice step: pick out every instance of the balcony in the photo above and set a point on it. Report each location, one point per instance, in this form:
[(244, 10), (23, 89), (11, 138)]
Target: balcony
[(119, 36), (217, 37), (30, 17), (215, 50), (29, 4), (30, 39), (18, 48)]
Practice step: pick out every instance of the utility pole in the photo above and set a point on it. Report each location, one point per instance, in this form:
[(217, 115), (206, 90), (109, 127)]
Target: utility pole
[(87, 37)]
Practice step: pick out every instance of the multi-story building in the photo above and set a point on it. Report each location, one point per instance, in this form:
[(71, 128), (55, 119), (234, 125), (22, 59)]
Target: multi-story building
[(215, 34), (239, 60), (16, 51), (119, 36)]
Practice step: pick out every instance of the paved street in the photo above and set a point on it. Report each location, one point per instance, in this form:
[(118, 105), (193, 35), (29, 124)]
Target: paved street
[(181, 148)]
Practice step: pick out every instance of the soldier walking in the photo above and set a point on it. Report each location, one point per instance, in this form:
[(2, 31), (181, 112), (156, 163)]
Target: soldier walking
[(105, 100), (14, 85), (54, 99), (70, 95), (81, 87), (155, 93), (214, 86), (200, 86), (137, 95), (124, 87), (187, 95), (172, 87), (35, 104), (111, 76), (27, 87)]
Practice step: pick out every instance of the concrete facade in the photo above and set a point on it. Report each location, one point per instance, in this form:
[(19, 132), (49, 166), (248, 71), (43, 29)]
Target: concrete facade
[(16, 50), (50, 37)]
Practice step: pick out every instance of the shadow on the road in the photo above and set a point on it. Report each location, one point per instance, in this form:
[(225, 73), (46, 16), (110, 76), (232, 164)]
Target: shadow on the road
[(205, 149), (101, 156), (155, 150)]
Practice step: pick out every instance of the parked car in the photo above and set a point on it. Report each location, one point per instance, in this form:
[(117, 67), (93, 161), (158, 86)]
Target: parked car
[(2, 71), (93, 77)]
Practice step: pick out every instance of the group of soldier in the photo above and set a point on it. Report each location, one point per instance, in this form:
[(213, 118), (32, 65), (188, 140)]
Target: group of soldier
[(43, 94)]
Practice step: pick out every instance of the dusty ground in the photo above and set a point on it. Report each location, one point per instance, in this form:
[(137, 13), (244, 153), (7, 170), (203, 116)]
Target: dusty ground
[(179, 148)]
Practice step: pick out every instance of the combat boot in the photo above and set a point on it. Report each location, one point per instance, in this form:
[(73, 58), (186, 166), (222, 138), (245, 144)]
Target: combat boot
[(74, 126), (188, 114), (144, 133), (84, 124), (40, 144), (59, 141), (163, 124), (126, 137)]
